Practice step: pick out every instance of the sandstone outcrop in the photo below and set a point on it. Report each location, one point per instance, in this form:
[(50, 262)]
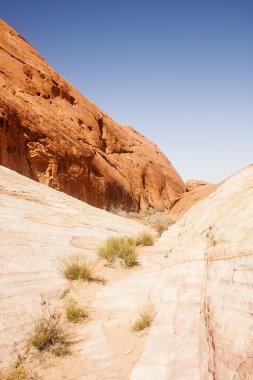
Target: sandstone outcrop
[(196, 190), (192, 184), (38, 226), (53, 134), (198, 276), (204, 326)]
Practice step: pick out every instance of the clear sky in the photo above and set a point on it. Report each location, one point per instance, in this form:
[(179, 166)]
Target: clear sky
[(179, 71)]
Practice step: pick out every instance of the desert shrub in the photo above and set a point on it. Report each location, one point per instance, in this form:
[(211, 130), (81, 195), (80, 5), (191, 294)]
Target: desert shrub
[(49, 334), (160, 209), (150, 211), (160, 223), (145, 239), (75, 313), (14, 373), (77, 267), (145, 317), (123, 248), (160, 228)]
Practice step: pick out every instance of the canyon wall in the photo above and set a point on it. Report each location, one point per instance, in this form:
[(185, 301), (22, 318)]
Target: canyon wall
[(51, 133)]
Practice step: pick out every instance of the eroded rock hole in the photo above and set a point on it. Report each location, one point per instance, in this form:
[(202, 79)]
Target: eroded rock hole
[(71, 99), (11, 149), (101, 124), (55, 91), (54, 82)]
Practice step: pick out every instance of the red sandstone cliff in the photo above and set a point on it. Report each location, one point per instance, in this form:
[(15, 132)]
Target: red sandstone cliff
[(53, 134), (196, 190)]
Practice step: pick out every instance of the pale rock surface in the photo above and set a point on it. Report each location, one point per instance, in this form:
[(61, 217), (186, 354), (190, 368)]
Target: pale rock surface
[(203, 329), (198, 275), (38, 226)]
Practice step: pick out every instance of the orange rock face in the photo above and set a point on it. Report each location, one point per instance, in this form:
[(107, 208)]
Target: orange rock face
[(53, 134), (196, 190)]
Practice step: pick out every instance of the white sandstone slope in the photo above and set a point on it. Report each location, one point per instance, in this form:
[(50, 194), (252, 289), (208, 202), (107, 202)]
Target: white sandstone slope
[(38, 225), (204, 323), (199, 276)]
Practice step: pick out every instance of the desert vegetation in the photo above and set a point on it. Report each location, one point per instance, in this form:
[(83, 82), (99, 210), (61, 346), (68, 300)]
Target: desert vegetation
[(119, 248), (49, 334), (156, 218), (161, 223), (145, 239), (145, 317), (75, 313), (78, 267), (15, 372)]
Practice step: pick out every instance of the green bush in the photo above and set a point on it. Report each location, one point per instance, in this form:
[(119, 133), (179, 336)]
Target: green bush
[(75, 313), (50, 335), (123, 248), (144, 239)]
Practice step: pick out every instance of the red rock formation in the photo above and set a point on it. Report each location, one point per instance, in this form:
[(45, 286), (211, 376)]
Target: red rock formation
[(196, 190), (194, 184), (53, 134)]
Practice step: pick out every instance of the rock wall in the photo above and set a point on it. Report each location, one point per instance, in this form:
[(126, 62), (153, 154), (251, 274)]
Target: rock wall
[(53, 134), (205, 303)]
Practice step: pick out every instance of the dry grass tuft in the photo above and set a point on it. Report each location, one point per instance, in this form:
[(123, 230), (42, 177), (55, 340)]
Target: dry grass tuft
[(50, 335), (75, 313), (161, 224), (77, 267), (14, 373), (144, 239), (145, 318), (123, 248)]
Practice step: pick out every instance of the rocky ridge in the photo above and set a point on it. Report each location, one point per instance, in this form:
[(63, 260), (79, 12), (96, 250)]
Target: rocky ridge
[(53, 134)]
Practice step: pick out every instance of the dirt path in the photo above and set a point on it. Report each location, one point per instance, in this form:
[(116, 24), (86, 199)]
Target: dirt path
[(105, 346)]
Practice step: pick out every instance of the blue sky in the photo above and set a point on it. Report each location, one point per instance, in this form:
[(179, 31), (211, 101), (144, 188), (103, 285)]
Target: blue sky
[(179, 71)]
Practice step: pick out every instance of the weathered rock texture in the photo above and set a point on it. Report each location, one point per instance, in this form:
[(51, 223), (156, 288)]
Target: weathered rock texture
[(203, 329), (196, 190), (53, 134), (38, 226), (198, 276)]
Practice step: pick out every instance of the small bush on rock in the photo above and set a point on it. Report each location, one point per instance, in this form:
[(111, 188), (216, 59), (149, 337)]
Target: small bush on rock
[(75, 313), (123, 248), (16, 372), (162, 224), (144, 239), (145, 317), (78, 267), (50, 335)]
